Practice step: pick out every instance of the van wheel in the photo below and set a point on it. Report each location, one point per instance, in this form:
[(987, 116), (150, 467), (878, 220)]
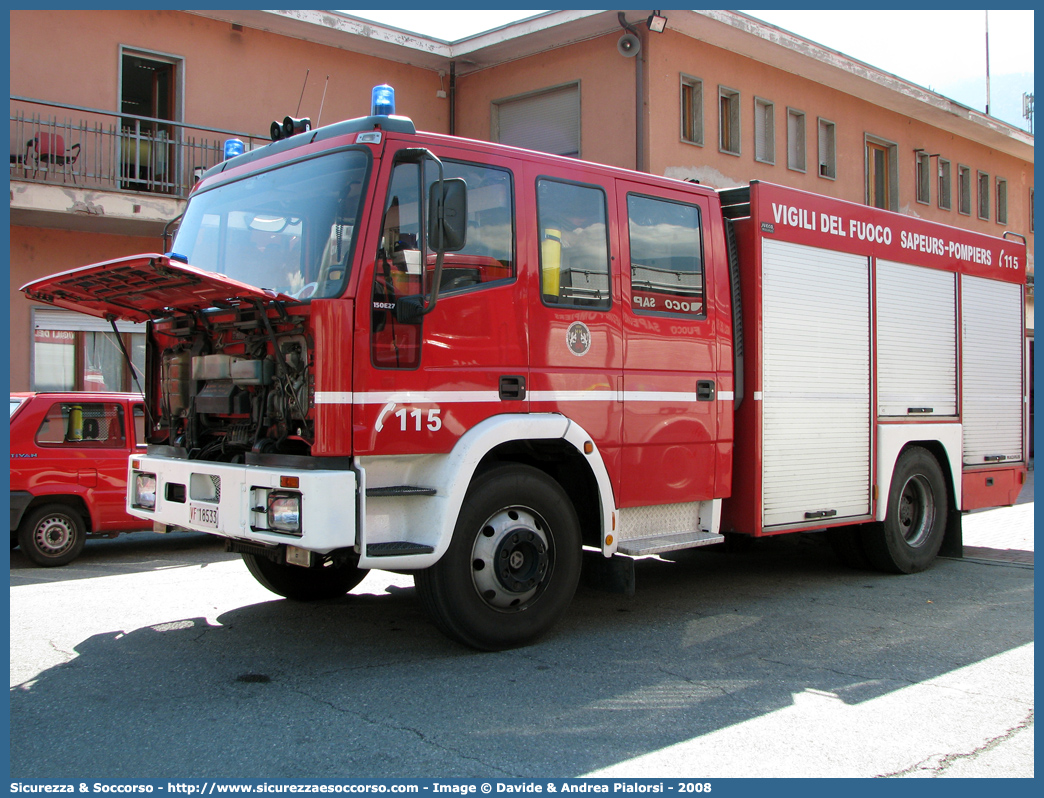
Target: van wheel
[(915, 523), (304, 584), (513, 565), (53, 534)]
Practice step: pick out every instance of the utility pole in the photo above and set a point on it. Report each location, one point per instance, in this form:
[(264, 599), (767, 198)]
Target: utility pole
[(987, 63), (1027, 109)]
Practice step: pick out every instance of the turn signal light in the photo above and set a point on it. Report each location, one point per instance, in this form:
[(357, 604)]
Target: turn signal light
[(289, 482)]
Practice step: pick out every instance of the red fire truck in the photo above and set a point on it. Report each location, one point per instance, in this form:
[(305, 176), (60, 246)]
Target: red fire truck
[(371, 347)]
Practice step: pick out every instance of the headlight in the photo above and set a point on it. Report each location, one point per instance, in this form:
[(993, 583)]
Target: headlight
[(144, 491), (284, 512)]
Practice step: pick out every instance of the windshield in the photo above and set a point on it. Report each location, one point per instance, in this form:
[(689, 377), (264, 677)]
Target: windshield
[(15, 404), (289, 229)]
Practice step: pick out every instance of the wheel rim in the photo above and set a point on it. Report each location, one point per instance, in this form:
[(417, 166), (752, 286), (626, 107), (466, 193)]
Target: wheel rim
[(54, 535), (916, 510), (511, 559)]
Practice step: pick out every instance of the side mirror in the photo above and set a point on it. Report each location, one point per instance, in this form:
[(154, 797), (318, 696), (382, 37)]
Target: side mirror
[(448, 215)]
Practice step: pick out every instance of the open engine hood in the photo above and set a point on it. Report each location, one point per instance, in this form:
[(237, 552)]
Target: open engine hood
[(143, 287)]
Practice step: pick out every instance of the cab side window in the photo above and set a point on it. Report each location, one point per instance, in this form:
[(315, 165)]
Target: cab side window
[(405, 263), (666, 256), (574, 245), (488, 254), (86, 424)]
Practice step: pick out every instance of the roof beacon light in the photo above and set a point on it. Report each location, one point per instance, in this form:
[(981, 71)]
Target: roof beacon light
[(233, 147), (382, 100)]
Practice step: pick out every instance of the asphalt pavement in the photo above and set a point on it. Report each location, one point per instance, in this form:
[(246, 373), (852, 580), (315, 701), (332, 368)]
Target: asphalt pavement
[(160, 657)]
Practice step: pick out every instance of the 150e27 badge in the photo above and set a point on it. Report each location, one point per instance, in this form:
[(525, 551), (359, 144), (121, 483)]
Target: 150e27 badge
[(578, 338)]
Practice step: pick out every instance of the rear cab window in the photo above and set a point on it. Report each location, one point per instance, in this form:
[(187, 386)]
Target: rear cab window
[(574, 245), (666, 244)]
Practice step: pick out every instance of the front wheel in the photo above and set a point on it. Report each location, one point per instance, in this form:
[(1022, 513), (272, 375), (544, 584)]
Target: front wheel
[(513, 565), (53, 534), (915, 523), (304, 584)]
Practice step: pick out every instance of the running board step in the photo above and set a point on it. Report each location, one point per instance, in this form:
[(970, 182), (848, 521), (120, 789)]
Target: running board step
[(397, 548), (399, 490), (672, 542)]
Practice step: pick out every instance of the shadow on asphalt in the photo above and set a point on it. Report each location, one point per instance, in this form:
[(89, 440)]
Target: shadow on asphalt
[(132, 552), (365, 685)]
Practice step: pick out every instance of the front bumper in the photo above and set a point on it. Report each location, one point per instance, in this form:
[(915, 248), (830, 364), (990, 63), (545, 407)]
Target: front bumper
[(231, 500)]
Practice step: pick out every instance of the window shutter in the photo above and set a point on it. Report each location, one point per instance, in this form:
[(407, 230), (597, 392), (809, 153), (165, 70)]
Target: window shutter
[(763, 132), (547, 122), (54, 319)]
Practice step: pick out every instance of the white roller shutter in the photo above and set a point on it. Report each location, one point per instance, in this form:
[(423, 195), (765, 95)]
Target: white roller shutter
[(916, 341), (992, 340), (56, 319), (546, 122), (816, 386)]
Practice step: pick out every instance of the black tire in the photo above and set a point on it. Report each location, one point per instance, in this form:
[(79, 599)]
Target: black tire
[(304, 584), (513, 565), (52, 535), (915, 523)]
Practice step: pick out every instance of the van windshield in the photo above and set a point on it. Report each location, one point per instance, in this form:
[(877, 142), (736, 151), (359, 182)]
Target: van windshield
[(290, 229)]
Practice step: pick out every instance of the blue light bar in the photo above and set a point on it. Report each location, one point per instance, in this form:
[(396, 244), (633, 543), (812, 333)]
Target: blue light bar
[(382, 100), (233, 147)]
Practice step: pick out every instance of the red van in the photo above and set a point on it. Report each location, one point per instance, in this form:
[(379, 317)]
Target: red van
[(69, 455)]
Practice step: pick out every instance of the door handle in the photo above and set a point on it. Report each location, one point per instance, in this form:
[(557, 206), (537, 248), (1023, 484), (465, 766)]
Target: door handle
[(512, 388), (705, 391)]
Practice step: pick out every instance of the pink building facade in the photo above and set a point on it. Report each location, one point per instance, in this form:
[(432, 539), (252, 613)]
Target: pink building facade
[(113, 113)]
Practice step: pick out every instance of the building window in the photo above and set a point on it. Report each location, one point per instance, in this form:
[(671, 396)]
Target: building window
[(692, 110), (74, 353), (729, 120), (924, 177), (964, 203), (1002, 201), (547, 120), (984, 195), (666, 256), (827, 149), (574, 245), (764, 131), (795, 140), (945, 187), (881, 177)]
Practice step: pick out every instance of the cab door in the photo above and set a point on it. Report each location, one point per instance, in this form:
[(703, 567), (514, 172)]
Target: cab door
[(671, 389), (419, 386), (576, 357)]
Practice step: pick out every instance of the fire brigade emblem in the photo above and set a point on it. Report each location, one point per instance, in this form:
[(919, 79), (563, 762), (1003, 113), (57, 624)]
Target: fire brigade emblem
[(578, 338)]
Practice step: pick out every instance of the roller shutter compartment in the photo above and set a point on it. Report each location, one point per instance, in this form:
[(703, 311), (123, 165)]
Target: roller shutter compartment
[(992, 340), (916, 341), (816, 384)]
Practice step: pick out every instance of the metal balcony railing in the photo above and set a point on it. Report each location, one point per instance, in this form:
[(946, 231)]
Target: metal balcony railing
[(93, 148)]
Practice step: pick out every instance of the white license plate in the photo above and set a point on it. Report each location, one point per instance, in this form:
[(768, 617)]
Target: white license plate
[(200, 515)]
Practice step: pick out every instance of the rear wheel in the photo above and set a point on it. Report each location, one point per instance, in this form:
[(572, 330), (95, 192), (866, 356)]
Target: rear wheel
[(513, 564), (304, 584), (915, 523), (53, 534)]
